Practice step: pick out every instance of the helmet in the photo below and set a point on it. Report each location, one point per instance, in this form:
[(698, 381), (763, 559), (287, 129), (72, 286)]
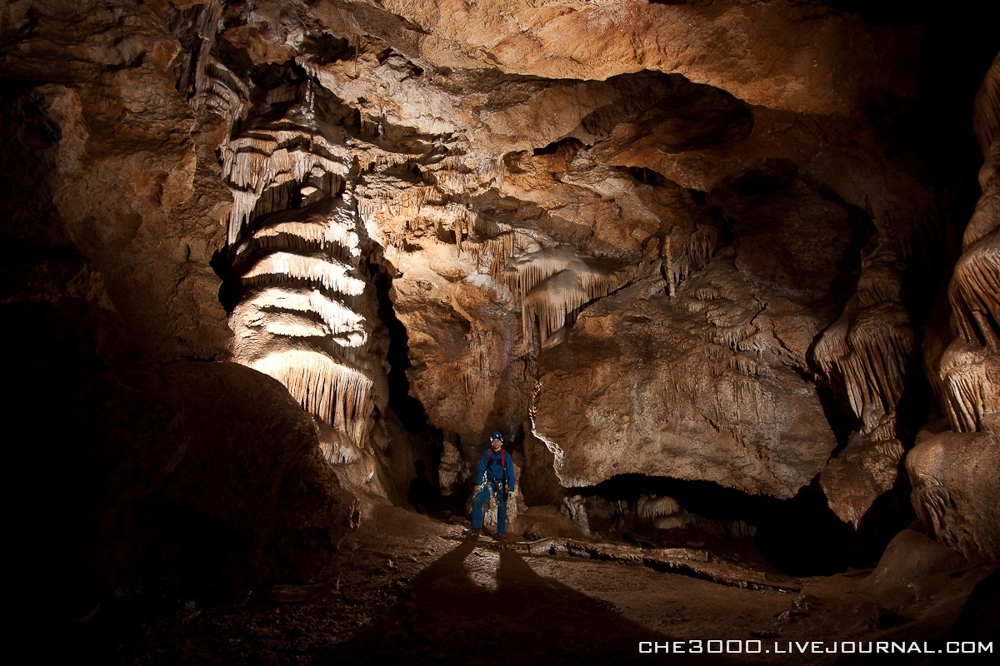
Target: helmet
[(497, 435)]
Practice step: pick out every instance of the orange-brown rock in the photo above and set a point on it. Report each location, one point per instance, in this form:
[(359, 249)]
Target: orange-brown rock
[(695, 240), (955, 491), (680, 387)]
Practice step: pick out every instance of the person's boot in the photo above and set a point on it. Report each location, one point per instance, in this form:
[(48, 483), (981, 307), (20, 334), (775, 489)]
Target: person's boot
[(471, 532)]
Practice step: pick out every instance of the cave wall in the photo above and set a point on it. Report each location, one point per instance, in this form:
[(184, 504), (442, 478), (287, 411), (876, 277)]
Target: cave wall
[(705, 241), (953, 472)]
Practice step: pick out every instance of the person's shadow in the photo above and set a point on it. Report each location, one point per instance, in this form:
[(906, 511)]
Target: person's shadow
[(527, 619)]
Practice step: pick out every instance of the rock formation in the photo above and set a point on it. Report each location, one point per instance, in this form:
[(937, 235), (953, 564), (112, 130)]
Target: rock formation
[(955, 490), (700, 241)]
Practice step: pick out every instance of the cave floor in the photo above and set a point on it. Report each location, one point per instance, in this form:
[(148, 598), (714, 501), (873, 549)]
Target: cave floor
[(408, 589)]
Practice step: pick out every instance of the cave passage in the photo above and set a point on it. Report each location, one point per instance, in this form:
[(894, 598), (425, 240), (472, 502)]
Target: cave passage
[(261, 261)]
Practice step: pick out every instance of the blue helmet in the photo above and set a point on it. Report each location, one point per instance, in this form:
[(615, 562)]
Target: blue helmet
[(497, 435)]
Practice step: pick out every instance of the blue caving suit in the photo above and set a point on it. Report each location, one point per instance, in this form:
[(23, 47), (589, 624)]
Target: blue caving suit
[(495, 467)]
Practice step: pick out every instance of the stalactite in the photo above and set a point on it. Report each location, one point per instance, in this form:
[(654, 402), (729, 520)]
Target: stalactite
[(743, 396), (266, 165), (971, 375), (732, 336), (975, 292), (330, 390), (325, 226), (220, 91), (738, 529), (868, 349), (649, 508), (870, 356), (480, 370), (293, 326), (879, 282), (279, 266), (494, 253), (296, 244), (554, 284), (527, 270), (551, 302), (304, 236), (746, 366), (210, 86), (970, 366), (456, 178), (251, 167), (953, 474), (346, 327), (697, 250), (393, 206), (669, 256)]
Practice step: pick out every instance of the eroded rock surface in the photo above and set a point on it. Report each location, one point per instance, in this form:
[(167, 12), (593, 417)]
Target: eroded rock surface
[(695, 240), (955, 490), (699, 400), (955, 487), (224, 498)]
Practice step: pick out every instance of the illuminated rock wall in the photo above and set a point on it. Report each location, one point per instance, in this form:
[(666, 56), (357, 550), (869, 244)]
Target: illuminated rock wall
[(693, 240), (306, 311)]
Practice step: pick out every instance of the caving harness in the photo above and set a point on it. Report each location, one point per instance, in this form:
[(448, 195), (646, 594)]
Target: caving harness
[(503, 478)]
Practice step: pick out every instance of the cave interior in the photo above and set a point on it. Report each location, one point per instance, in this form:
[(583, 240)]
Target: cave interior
[(724, 273)]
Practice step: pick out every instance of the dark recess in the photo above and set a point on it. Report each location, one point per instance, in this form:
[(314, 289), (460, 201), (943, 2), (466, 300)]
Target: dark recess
[(799, 537), (408, 409)]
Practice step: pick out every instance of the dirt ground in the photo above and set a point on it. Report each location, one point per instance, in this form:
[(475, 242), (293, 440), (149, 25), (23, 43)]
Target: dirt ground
[(406, 589)]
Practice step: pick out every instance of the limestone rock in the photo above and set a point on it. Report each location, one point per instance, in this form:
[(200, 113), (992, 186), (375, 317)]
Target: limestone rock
[(628, 392), (136, 179), (539, 483), (861, 473), (910, 558), (956, 492), (658, 232), (570, 40), (188, 445), (453, 469)]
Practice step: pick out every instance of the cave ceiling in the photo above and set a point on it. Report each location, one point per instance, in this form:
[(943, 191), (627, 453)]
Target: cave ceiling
[(698, 240)]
